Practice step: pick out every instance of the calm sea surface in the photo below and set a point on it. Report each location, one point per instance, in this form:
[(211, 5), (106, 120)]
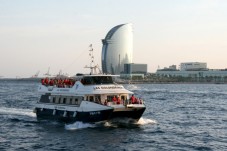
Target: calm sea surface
[(178, 117)]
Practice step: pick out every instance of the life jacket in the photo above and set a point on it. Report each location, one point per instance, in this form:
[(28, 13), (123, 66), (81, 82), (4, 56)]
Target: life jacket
[(132, 99), (118, 100), (114, 99), (43, 81), (51, 83), (46, 81)]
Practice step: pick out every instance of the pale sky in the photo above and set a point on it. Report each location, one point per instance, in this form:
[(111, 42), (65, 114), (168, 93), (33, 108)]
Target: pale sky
[(37, 34)]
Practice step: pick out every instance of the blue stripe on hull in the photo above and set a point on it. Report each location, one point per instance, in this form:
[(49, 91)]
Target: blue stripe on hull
[(86, 117)]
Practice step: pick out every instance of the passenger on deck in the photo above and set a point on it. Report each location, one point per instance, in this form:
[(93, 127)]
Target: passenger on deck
[(51, 83), (105, 103), (97, 101), (140, 101), (46, 81), (71, 82), (60, 84), (55, 82), (43, 81), (135, 101), (118, 100), (132, 99), (65, 82), (114, 99)]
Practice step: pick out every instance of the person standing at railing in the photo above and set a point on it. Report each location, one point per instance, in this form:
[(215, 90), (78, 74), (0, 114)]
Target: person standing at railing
[(118, 100), (132, 99), (114, 99)]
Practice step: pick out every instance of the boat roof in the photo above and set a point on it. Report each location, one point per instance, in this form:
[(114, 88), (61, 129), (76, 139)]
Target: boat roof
[(79, 88), (97, 75)]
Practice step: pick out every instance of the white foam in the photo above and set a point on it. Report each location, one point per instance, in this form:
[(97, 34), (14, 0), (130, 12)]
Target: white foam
[(110, 124), (16, 111), (78, 125), (107, 124), (144, 121)]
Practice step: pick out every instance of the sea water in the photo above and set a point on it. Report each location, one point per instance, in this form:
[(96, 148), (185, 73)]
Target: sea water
[(177, 117)]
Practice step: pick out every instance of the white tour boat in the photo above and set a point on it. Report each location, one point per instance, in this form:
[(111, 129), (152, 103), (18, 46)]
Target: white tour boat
[(87, 98)]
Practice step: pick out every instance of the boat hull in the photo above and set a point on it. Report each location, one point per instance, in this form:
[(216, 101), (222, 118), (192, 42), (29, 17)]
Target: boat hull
[(133, 113), (70, 116)]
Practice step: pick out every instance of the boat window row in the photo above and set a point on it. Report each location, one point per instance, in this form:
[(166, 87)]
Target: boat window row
[(97, 80), (74, 100), (114, 99)]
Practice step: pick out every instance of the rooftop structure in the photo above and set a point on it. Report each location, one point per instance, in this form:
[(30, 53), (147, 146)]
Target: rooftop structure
[(193, 66)]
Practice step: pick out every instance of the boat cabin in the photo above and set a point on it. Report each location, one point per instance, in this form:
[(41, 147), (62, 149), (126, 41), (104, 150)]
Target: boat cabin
[(96, 79)]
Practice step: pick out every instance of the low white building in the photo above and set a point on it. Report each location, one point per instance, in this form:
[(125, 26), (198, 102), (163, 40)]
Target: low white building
[(193, 66), (207, 73), (193, 69)]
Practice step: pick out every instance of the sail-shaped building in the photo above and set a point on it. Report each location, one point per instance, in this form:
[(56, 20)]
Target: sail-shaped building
[(117, 49)]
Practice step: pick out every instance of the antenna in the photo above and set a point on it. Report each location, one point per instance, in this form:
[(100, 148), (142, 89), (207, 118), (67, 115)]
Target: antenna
[(48, 73), (91, 55), (92, 66)]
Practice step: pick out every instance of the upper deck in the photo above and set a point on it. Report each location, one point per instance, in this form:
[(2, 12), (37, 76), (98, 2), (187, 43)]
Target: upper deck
[(83, 84)]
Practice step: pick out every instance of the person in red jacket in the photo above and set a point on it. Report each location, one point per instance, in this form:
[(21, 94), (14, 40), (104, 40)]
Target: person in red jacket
[(46, 81), (118, 100), (114, 99), (51, 83), (43, 81), (132, 99)]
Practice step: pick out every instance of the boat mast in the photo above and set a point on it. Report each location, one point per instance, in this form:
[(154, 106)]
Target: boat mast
[(92, 66), (48, 73)]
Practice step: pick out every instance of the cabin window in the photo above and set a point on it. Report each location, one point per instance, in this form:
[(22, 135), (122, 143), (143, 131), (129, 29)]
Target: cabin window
[(91, 98), (97, 80), (123, 97), (71, 100), (76, 100), (98, 99), (54, 99), (110, 97), (64, 100)]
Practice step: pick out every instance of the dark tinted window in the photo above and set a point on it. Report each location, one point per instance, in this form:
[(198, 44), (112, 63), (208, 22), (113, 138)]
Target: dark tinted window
[(97, 80)]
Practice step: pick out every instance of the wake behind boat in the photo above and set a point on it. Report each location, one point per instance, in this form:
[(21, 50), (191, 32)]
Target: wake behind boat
[(88, 98)]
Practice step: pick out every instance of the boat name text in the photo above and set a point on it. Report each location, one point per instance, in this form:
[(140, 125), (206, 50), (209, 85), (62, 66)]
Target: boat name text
[(65, 90), (108, 87), (95, 113)]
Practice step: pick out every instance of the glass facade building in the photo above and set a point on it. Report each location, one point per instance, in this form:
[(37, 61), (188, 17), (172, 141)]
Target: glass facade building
[(117, 49), (135, 68)]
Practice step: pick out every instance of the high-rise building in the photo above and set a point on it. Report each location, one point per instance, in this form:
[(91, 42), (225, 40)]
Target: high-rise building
[(117, 49)]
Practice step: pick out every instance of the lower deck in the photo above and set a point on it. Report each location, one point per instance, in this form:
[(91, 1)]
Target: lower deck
[(88, 108), (73, 116)]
